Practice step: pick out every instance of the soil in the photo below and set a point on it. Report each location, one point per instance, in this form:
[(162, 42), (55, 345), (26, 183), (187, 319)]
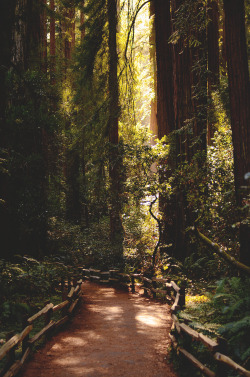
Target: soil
[(114, 333)]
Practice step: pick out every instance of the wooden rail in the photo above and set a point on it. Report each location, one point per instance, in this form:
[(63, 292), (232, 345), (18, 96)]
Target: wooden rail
[(176, 295), (7, 351)]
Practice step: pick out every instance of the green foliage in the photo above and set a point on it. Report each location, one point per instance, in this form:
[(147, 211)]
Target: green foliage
[(227, 314)]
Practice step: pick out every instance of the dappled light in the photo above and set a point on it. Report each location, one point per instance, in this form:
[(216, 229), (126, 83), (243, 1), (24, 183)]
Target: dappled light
[(125, 162)]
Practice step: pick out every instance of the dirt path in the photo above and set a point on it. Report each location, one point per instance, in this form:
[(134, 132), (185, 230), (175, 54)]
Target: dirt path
[(113, 334)]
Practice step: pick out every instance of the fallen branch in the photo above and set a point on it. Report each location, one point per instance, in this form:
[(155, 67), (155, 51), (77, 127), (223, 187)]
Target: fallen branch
[(218, 250)]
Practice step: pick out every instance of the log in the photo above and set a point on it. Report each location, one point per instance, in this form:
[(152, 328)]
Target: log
[(229, 362), (124, 275), (197, 363), (60, 306), (176, 323), (176, 305), (25, 355), (136, 275), (219, 251), (12, 342), (73, 305), (71, 293), (147, 280), (173, 340), (158, 290), (14, 369), (76, 289), (41, 333), (95, 271), (209, 343), (93, 277), (40, 313), (61, 321), (175, 286), (194, 334)]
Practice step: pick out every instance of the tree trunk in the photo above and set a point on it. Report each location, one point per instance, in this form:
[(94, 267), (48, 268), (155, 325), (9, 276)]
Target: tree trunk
[(73, 212), (52, 43), (153, 113), (199, 89), (7, 22), (213, 61), (239, 93), (165, 113), (164, 59), (116, 228), (43, 20), (183, 112)]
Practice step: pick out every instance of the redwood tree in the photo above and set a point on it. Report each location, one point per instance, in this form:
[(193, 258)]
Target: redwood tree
[(239, 93), (213, 58), (116, 228)]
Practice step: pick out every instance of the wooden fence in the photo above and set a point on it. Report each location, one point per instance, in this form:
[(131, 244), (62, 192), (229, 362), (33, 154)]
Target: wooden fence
[(23, 340), (176, 295), (154, 287)]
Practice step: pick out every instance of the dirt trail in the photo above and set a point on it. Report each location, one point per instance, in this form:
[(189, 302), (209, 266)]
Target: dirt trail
[(113, 334)]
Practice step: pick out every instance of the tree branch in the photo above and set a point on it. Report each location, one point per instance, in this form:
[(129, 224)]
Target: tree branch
[(159, 227), (218, 250)]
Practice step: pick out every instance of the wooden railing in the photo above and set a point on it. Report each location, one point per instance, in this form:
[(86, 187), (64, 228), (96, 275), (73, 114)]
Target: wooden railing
[(176, 295), (23, 340), (154, 286)]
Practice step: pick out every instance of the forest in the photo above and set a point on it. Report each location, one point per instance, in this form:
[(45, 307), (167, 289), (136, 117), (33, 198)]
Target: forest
[(125, 144)]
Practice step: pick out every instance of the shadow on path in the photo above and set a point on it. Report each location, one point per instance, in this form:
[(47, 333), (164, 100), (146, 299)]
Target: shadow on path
[(113, 334)]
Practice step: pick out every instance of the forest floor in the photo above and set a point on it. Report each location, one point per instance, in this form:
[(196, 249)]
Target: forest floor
[(114, 333)]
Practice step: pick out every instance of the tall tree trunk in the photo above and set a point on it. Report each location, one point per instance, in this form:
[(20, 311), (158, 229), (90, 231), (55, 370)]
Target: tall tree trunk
[(199, 87), (52, 43), (7, 23), (43, 20), (83, 164), (153, 112), (116, 228), (182, 92), (213, 61), (164, 58), (69, 36), (239, 93), (165, 110), (183, 112)]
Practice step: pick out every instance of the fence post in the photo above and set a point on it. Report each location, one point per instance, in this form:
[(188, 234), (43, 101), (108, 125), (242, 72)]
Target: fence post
[(133, 284), (182, 299), (154, 286), (11, 354), (26, 339), (221, 368)]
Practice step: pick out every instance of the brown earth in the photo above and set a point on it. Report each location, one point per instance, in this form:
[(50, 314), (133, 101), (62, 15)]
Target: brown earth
[(114, 333)]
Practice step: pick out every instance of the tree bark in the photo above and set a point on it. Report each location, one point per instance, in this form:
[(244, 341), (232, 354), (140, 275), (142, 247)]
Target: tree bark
[(239, 94), (116, 228), (153, 113), (52, 43), (213, 61), (43, 20)]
